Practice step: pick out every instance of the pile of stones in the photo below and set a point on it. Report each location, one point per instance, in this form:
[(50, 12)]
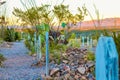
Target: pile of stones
[(74, 66)]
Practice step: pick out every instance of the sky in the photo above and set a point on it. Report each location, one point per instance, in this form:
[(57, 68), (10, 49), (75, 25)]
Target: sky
[(107, 8)]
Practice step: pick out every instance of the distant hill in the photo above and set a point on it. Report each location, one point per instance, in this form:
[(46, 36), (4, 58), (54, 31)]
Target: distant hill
[(108, 23)]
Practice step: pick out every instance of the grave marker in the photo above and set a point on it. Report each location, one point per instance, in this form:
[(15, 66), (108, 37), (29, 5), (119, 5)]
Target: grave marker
[(83, 41), (106, 59), (47, 53), (87, 41)]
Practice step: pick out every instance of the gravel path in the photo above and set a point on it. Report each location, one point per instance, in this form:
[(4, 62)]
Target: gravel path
[(18, 64)]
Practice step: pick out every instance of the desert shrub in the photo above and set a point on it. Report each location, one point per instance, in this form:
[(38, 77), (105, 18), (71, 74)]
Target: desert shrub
[(74, 43), (56, 51), (116, 37), (1, 40), (17, 36), (90, 56), (73, 35), (117, 41), (9, 35), (2, 58), (29, 42)]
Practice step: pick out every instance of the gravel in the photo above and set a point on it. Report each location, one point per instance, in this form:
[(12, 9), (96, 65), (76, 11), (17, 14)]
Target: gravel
[(18, 64)]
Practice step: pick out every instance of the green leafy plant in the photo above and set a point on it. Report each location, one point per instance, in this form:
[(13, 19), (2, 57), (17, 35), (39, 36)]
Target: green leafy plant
[(116, 37), (9, 35), (90, 56), (74, 43), (1, 40), (56, 51), (2, 58), (17, 36), (30, 43)]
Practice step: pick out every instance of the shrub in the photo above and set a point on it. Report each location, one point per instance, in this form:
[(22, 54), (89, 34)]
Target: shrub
[(17, 36), (1, 40), (9, 35), (74, 43), (90, 56), (116, 37), (56, 51), (2, 58)]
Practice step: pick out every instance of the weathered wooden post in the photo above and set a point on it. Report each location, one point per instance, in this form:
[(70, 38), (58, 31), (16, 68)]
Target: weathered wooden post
[(87, 41), (28, 36), (47, 53), (83, 41), (39, 48), (35, 41), (91, 42), (21, 35)]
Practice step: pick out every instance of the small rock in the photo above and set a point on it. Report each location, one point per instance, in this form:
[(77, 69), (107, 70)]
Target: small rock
[(76, 77), (72, 72), (54, 70), (58, 74), (67, 76), (65, 61), (90, 63), (81, 70), (71, 78), (48, 78), (83, 78), (34, 55), (72, 64)]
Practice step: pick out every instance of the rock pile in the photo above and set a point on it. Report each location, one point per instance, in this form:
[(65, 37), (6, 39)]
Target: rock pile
[(74, 66)]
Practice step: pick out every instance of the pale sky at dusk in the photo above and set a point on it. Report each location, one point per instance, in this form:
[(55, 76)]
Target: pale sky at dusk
[(107, 8)]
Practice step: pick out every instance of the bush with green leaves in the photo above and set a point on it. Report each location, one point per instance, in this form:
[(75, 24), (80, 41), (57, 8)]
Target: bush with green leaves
[(1, 40), (30, 43), (40, 30), (2, 58), (90, 56), (17, 36), (55, 51), (11, 35), (116, 37)]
